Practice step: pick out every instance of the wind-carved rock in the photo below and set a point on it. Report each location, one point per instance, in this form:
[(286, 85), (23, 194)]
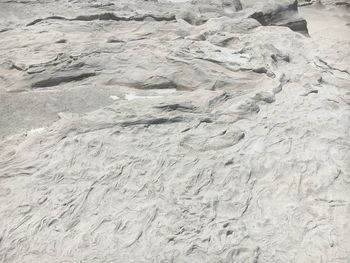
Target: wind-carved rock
[(174, 131)]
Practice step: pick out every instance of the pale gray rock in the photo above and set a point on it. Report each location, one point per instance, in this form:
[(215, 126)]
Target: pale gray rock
[(174, 131)]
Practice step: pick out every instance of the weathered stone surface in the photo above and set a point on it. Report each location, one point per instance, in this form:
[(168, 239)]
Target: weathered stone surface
[(174, 131)]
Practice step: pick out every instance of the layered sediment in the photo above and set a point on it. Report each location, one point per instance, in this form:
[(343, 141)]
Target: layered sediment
[(174, 131)]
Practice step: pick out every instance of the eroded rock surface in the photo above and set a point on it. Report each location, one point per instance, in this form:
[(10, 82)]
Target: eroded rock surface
[(173, 131)]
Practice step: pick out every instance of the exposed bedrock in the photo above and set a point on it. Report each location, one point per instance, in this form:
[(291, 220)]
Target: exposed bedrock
[(174, 131)]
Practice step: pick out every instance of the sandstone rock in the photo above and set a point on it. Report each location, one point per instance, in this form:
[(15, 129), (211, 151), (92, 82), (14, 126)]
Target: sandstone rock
[(174, 131)]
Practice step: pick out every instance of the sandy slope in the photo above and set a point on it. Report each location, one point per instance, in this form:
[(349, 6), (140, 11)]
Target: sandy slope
[(223, 140), (327, 23)]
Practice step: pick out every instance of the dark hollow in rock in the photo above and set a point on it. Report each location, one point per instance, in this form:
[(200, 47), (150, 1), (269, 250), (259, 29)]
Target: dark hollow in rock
[(56, 80), (285, 15)]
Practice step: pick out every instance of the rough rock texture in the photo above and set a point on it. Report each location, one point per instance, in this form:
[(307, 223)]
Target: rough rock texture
[(343, 3), (191, 131)]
